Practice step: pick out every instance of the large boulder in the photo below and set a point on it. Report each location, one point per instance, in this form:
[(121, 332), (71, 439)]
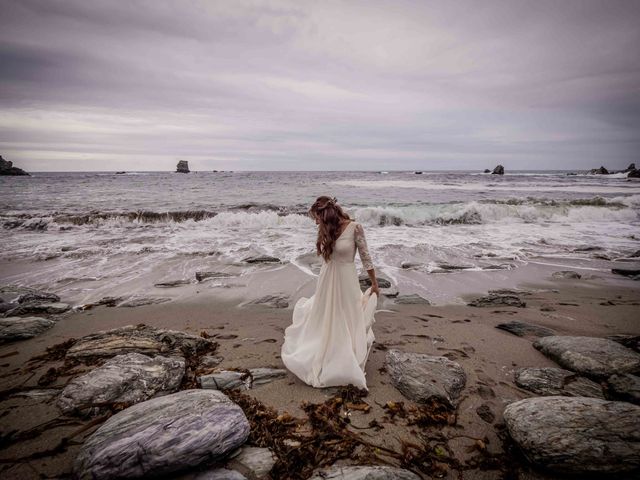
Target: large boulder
[(7, 168), (499, 170), (556, 381), (599, 171), (373, 472), (577, 435), (21, 328), (182, 167), (129, 379), (624, 387), (420, 377), (42, 297), (163, 435), (498, 300), (38, 307), (523, 329), (590, 356)]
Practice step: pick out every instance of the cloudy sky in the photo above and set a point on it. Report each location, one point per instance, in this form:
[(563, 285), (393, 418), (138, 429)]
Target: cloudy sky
[(319, 85)]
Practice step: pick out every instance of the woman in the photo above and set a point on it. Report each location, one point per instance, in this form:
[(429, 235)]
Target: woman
[(330, 338)]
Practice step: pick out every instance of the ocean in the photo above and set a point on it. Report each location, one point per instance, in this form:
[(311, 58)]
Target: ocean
[(86, 235)]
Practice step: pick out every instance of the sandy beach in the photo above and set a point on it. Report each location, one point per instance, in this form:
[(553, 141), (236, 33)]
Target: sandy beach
[(251, 336)]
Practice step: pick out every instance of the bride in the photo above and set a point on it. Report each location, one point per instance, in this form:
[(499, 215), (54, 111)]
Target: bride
[(331, 335)]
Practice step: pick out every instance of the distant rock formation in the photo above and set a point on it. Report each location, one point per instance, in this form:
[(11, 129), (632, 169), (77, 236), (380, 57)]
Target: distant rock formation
[(7, 168), (632, 166), (486, 170), (183, 167), (599, 171), (499, 170)]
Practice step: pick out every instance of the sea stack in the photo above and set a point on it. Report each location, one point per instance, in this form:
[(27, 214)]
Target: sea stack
[(183, 167), (7, 168), (499, 170)]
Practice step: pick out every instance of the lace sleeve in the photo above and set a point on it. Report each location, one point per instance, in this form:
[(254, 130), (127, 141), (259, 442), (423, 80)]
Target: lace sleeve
[(363, 249)]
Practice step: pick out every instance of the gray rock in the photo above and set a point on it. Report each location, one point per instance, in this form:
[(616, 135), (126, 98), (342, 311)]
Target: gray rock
[(557, 381), (374, 472), (599, 171), (627, 272), (630, 341), (274, 301), (182, 167), (211, 361), (499, 170), (523, 329), (7, 168), (38, 308), (163, 435), (497, 300), (448, 266), (130, 378), (570, 274), (200, 276), (411, 265), (6, 307), (172, 283), (220, 474), (261, 259), (365, 282), (419, 376), (44, 297), (412, 299), (226, 379), (590, 356), (136, 301), (140, 339), (576, 435), (254, 462), (624, 387), (21, 328)]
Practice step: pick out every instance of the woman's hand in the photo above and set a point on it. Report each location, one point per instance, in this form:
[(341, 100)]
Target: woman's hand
[(375, 289)]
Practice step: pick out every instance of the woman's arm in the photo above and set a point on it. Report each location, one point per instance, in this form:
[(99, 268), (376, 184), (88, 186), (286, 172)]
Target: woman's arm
[(363, 251)]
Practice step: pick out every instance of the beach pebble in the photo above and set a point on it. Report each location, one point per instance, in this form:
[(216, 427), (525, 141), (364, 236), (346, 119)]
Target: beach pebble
[(274, 301), (130, 379), (254, 462), (498, 300), (522, 329), (557, 381), (412, 299), (245, 381), (576, 435), (569, 274), (163, 435), (374, 472), (590, 356), (21, 328), (624, 387), (419, 376), (140, 339)]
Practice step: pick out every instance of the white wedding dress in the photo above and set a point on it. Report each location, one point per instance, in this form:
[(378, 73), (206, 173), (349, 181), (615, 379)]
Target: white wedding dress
[(331, 336)]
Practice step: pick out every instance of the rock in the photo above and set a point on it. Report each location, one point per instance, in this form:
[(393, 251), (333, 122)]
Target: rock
[(7, 168), (629, 341), (6, 307), (44, 297), (413, 299), (556, 381), (632, 166), (374, 472), (262, 259), (576, 435), (566, 274), (509, 291), (624, 387), (163, 435), (522, 329), (244, 380), (254, 462), (485, 413), (139, 338), (129, 379), (274, 301), (496, 300), (501, 266), (545, 307), (590, 356), (419, 376), (200, 276), (136, 301), (365, 282), (499, 170), (486, 170), (21, 328), (627, 272), (448, 266), (182, 167), (211, 361), (635, 254), (172, 283), (634, 174), (410, 265), (599, 171), (38, 308), (220, 474)]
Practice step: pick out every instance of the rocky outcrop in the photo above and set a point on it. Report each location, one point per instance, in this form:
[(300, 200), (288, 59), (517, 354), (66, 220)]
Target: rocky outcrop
[(499, 170), (246, 380), (42, 297), (569, 274), (599, 171), (261, 259), (137, 301), (273, 301), (498, 300), (182, 167), (163, 435), (37, 307), (254, 462), (626, 272), (21, 328), (413, 299), (556, 381), (373, 472), (625, 387), (523, 329), (7, 168), (632, 166), (128, 379), (420, 377), (590, 356), (486, 170), (141, 339), (577, 435)]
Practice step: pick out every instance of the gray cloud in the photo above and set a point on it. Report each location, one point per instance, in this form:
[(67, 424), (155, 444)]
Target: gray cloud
[(319, 85)]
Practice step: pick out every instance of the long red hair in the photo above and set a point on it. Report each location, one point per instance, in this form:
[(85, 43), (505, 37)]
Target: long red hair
[(329, 215)]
